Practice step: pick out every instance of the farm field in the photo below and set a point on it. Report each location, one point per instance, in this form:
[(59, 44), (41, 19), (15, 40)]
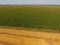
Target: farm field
[(13, 36), (29, 25), (32, 16)]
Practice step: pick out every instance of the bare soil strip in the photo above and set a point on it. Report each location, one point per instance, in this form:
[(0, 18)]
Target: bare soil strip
[(11, 36)]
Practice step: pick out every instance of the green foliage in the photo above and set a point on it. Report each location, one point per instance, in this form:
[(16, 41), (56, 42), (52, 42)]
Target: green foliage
[(30, 16)]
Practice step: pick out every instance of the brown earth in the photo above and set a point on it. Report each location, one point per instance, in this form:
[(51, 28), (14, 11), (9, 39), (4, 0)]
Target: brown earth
[(11, 36)]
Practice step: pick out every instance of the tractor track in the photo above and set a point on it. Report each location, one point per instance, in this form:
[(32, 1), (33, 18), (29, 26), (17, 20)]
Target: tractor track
[(20, 35)]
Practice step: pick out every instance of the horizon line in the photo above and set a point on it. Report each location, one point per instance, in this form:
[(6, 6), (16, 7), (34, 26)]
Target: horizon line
[(29, 4)]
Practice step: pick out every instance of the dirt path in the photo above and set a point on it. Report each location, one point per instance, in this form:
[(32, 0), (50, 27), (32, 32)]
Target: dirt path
[(23, 37)]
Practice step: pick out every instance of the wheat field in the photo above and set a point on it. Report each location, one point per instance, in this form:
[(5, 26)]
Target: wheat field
[(13, 36)]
